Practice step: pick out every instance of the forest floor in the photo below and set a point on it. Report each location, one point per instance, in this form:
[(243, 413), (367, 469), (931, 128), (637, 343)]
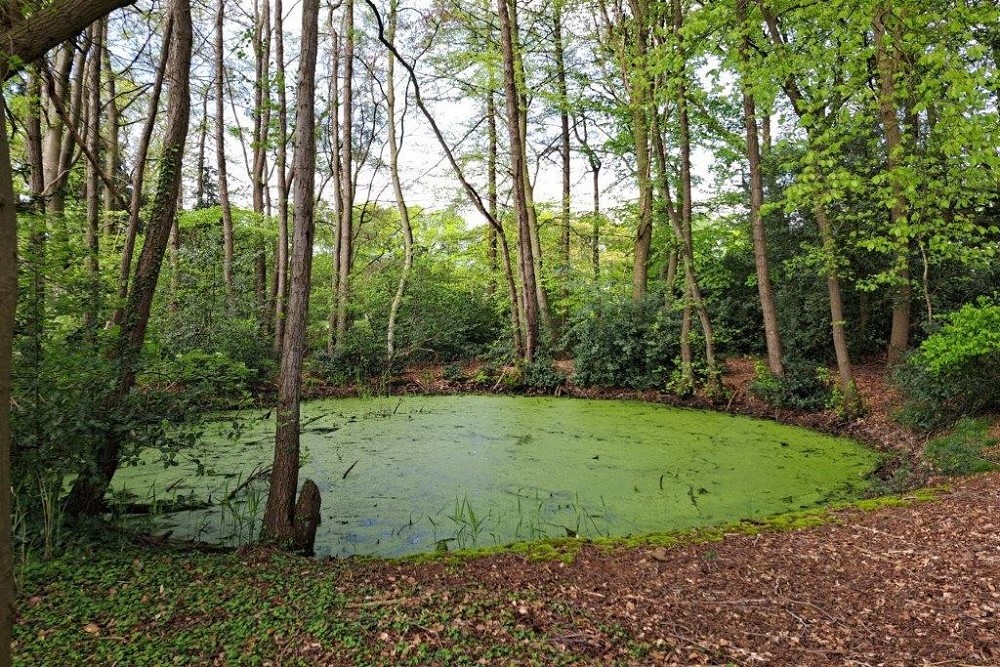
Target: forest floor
[(909, 581)]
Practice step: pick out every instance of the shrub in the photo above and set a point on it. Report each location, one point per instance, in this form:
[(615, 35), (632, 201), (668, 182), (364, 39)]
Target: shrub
[(543, 376), (805, 386), (362, 356), (963, 450), (954, 372), (617, 343), (212, 377)]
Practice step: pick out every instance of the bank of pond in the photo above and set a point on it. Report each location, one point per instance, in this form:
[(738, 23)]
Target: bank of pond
[(401, 476)]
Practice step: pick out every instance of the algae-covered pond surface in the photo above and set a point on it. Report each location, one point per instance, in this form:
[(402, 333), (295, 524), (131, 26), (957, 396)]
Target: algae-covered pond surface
[(402, 476)]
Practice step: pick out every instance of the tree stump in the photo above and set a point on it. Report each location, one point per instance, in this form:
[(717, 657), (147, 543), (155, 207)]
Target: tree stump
[(306, 519)]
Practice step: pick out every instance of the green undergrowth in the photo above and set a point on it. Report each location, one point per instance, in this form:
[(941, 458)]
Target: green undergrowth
[(125, 605)]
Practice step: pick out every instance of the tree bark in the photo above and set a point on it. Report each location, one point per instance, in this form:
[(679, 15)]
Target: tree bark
[(887, 63), (87, 493), (262, 126), (280, 516), (491, 182), (281, 256), (772, 335), (8, 305), (346, 236), (93, 176), (397, 187), (50, 25), (338, 182), (564, 150), (139, 173), (112, 146), (518, 172), (228, 243)]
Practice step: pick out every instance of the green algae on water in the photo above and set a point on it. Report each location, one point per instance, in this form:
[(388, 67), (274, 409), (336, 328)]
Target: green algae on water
[(420, 474)]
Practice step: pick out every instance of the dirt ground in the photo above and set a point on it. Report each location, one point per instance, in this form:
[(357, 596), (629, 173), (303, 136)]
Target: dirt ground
[(913, 585)]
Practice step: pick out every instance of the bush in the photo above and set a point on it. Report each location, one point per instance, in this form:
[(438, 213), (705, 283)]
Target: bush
[(954, 372), (617, 343), (362, 356), (805, 386), (543, 376), (963, 451), (214, 378)]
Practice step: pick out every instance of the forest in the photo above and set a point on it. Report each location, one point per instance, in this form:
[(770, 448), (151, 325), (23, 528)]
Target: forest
[(557, 332)]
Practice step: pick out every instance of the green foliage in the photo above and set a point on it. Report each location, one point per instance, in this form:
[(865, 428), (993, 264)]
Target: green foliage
[(65, 409), (617, 343), (362, 356), (805, 386), (963, 451), (541, 375), (954, 371), (213, 378)]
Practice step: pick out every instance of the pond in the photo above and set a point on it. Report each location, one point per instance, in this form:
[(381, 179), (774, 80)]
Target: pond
[(418, 474)]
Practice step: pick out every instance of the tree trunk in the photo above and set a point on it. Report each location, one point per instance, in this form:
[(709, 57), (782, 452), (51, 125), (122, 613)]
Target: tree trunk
[(199, 167), (139, 174), (280, 516), (491, 183), (53, 142), (397, 187), (8, 305), (346, 236), (87, 493), (518, 172), (93, 177), (281, 259), (228, 243), (262, 126), (338, 182), (473, 195), (772, 335), (564, 150), (112, 147), (887, 65), (847, 384)]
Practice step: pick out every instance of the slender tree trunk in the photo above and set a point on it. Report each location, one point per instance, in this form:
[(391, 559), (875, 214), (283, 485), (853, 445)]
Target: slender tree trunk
[(53, 142), (595, 232), (199, 168), (564, 149), (772, 335), (397, 187), (262, 125), (8, 305), (846, 371), (87, 493), (491, 186), (281, 262), (228, 243), (346, 237), (282, 519), (518, 171), (93, 178), (520, 82), (37, 243), (473, 195), (112, 148), (338, 182), (848, 387), (174, 251), (139, 175), (887, 65), (687, 204)]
